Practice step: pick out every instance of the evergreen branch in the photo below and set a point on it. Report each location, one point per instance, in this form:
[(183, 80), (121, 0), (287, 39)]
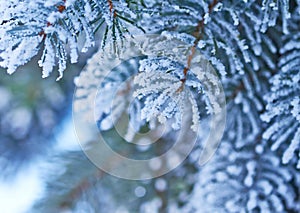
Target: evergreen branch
[(58, 25), (76, 192), (252, 184), (198, 35), (282, 110)]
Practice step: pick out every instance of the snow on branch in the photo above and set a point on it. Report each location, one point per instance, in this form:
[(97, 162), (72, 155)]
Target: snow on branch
[(56, 27), (247, 180), (283, 105)]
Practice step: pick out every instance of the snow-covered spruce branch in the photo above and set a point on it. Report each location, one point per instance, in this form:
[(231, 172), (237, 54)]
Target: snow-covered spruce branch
[(250, 179), (222, 44), (241, 39), (216, 36), (225, 30), (283, 102), (58, 27), (166, 85), (244, 163), (209, 25), (155, 92)]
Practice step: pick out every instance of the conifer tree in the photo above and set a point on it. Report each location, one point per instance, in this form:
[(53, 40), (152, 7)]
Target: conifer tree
[(170, 68)]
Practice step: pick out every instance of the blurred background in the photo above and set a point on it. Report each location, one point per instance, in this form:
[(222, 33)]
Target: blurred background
[(43, 168), (35, 120)]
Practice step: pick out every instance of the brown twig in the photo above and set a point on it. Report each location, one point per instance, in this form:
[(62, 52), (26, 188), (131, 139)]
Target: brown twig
[(111, 8), (198, 35), (82, 186), (61, 8), (238, 89)]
